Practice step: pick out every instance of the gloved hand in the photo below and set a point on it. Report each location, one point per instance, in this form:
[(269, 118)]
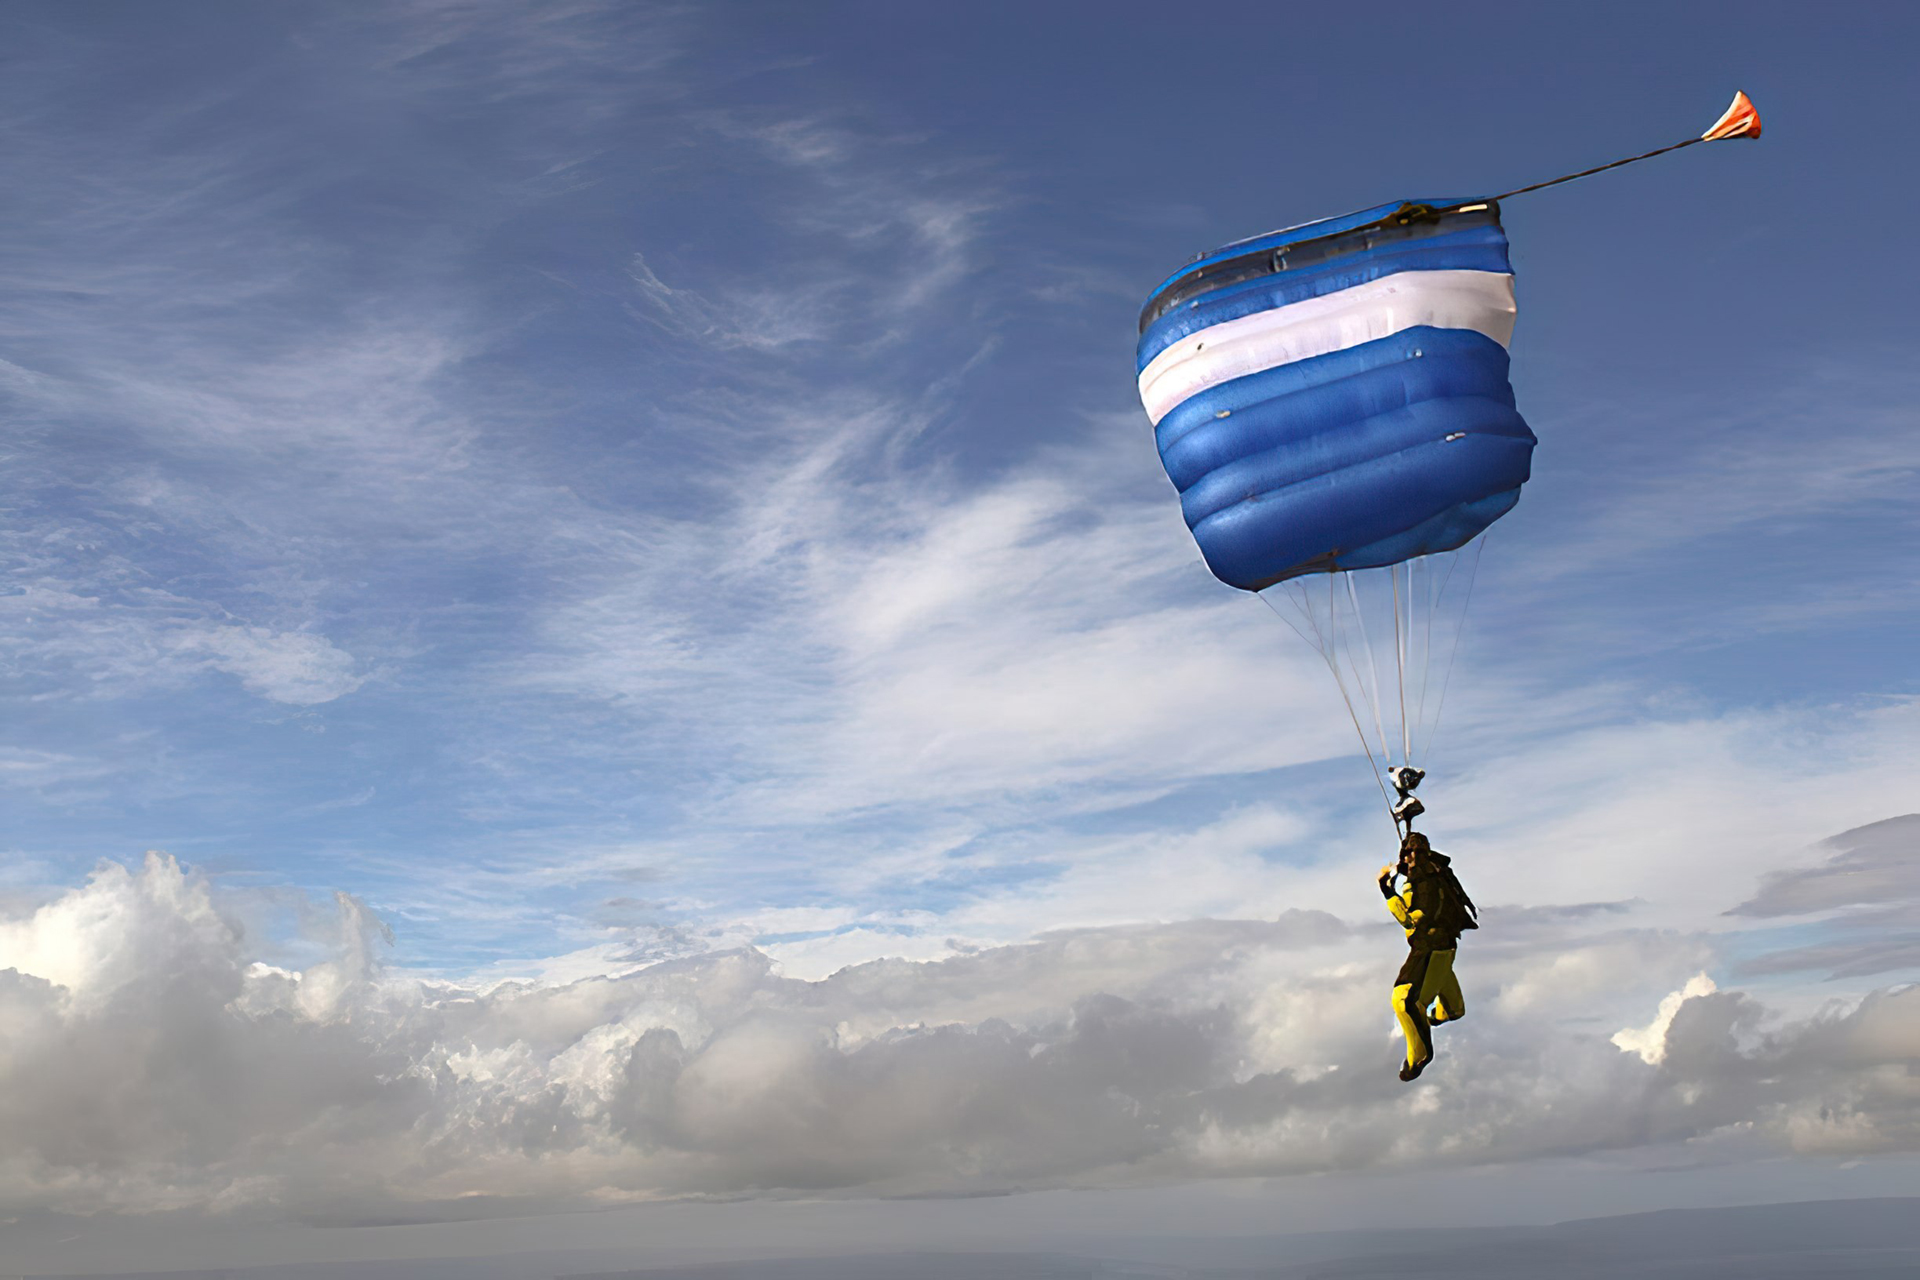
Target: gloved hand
[(1386, 882)]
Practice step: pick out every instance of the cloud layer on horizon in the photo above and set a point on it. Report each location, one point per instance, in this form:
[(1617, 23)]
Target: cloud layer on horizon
[(152, 1062)]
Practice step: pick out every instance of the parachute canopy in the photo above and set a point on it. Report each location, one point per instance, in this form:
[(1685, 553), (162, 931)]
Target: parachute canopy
[(1334, 396), (1332, 400)]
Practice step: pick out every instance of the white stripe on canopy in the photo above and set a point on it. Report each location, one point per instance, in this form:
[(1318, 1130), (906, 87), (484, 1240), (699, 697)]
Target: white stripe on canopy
[(1477, 300)]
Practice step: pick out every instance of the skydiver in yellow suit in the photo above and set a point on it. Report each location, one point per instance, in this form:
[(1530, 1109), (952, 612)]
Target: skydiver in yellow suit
[(1434, 910)]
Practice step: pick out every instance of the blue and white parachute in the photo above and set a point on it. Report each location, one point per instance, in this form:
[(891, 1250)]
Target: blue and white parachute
[(1332, 403), (1333, 400), (1335, 396)]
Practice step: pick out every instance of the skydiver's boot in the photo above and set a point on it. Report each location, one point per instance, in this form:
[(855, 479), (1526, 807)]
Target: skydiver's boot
[(1406, 809), (1413, 1025)]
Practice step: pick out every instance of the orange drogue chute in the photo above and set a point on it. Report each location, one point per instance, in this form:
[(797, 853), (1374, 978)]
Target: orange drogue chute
[(1740, 121)]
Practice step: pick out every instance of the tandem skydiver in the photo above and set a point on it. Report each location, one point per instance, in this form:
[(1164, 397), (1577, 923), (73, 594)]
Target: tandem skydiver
[(1434, 910)]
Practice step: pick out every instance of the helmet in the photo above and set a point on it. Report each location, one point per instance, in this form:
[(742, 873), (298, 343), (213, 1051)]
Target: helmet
[(1415, 840)]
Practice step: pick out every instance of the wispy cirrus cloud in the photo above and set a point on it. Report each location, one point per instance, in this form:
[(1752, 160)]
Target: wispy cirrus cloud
[(1865, 868), (1773, 462), (104, 647), (1782, 508), (1861, 900)]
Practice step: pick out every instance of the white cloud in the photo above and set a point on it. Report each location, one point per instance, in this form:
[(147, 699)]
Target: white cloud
[(95, 941), (291, 667), (151, 1062), (239, 423), (917, 642), (1869, 867), (115, 642), (762, 321), (1650, 1041), (1680, 808), (1768, 463)]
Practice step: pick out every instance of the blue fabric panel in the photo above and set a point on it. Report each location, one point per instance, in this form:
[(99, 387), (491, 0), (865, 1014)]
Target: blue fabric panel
[(1454, 527), (1305, 231), (1356, 444), (1472, 249), (1307, 526), (1316, 417)]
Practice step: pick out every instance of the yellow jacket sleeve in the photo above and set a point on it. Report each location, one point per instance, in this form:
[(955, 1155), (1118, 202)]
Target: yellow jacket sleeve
[(1401, 904)]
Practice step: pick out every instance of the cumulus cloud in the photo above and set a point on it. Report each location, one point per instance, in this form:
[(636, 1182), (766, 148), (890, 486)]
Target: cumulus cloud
[(153, 1060), (1650, 1041)]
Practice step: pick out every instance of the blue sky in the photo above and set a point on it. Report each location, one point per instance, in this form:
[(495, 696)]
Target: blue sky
[(600, 484)]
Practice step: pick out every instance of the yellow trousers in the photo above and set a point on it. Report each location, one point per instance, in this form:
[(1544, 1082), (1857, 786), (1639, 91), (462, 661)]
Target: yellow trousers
[(1426, 981)]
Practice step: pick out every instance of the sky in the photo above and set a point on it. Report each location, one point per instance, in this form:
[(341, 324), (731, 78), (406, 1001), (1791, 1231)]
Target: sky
[(591, 617)]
